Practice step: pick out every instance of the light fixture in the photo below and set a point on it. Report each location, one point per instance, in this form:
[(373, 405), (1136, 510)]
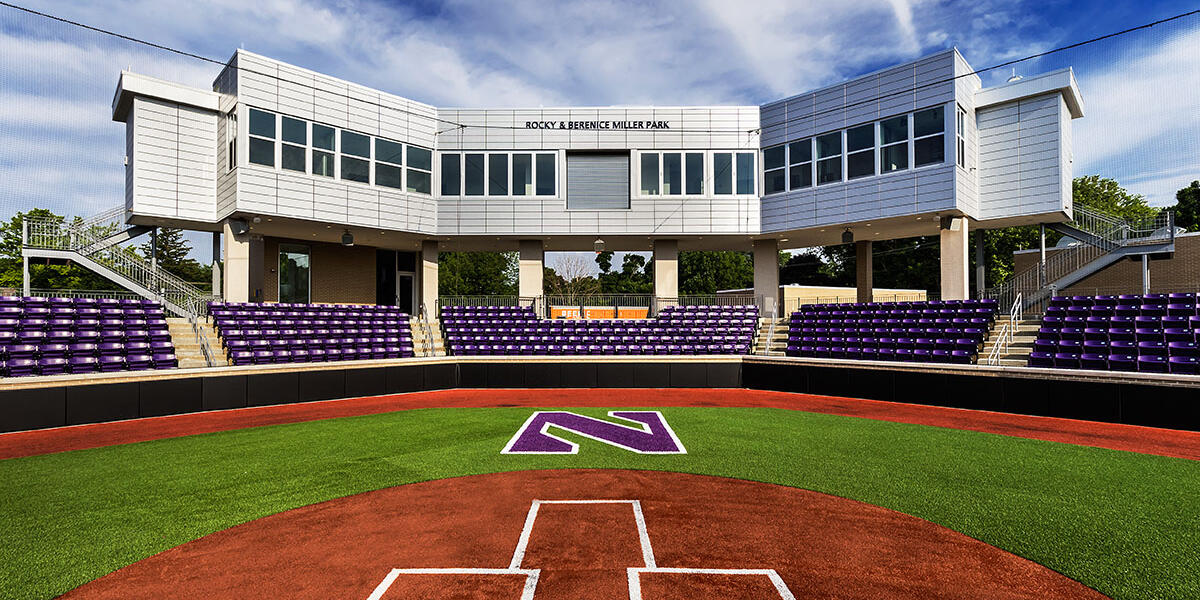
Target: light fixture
[(238, 226), (847, 236), (598, 245), (347, 238)]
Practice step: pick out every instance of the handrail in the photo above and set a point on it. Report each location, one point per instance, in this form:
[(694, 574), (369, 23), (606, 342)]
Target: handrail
[(427, 329), (1008, 332), (770, 334)]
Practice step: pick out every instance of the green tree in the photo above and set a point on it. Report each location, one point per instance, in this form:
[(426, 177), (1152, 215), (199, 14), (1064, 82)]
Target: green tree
[(173, 257), (635, 276), (1187, 207), (706, 272), (477, 273), (1106, 195)]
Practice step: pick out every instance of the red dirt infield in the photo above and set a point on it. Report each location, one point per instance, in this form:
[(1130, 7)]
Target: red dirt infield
[(662, 535), (1147, 440)]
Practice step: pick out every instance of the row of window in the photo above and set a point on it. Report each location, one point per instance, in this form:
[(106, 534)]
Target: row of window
[(317, 149), (874, 148), (682, 173), (498, 174)]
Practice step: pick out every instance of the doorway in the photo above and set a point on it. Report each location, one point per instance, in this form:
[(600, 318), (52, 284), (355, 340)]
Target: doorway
[(395, 279)]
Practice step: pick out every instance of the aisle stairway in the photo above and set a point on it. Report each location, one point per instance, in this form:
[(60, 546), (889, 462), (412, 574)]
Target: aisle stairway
[(423, 345), (1016, 353), (764, 343), (188, 349)]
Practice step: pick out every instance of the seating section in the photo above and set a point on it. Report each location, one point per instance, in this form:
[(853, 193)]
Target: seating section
[(1155, 333), (55, 336), (256, 334), (513, 330), (952, 331)]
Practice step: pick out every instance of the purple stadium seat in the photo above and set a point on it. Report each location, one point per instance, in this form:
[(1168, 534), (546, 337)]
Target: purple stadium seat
[(1041, 359), (83, 363), (1185, 365), (1152, 364)]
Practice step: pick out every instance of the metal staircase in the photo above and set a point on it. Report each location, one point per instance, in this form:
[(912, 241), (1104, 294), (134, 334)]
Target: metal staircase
[(1105, 239), (95, 243)]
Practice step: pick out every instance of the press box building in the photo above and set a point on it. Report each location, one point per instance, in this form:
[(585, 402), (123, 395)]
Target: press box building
[(283, 164)]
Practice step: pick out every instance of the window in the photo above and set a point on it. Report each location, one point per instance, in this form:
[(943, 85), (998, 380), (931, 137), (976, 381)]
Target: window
[(893, 144), (522, 175), (649, 176), (389, 156), (420, 169), (451, 175), (262, 138), (474, 175), (231, 135), (745, 173), (545, 174), (672, 174), (860, 151), (961, 135), (295, 144), (929, 145), (774, 171), (294, 272), (322, 152), (800, 164), (355, 169), (722, 173), (497, 174), (829, 158), (693, 173)]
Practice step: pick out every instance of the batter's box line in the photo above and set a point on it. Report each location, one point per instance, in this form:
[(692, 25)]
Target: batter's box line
[(531, 578), (635, 582)]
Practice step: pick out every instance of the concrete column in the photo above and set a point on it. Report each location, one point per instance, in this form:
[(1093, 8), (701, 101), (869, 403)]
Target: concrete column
[(429, 278), (530, 270), (243, 266), (865, 270), (666, 273), (766, 275), (954, 258), (980, 272), (216, 264)]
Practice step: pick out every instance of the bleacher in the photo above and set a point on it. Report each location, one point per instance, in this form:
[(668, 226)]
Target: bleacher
[(1155, 333), (676, 330), (951, 331), (256, 334), (55, 336)]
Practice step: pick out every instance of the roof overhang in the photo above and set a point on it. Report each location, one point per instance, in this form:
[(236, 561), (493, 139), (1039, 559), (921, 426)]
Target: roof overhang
[(1062, 81), (132, 84)]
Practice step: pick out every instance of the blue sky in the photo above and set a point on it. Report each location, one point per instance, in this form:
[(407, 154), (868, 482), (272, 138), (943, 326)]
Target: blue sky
[(62, 151)]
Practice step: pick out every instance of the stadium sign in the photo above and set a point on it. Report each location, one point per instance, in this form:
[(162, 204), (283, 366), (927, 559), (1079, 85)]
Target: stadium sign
[(651, 435), (610, 125)]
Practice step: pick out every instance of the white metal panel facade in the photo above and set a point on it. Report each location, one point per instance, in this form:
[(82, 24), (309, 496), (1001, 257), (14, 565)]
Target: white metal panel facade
[(1023, 168), (172, 163)]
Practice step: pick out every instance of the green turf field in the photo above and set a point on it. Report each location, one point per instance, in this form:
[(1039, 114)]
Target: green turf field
[(1126, 524)]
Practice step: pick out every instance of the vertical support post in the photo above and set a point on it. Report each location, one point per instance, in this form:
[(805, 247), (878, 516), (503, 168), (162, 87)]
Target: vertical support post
[(980, 271), (864, 270), (216, 265), (531, 271), (766, 276), (1145, 274), (154, 248), (954, 263), (25, 283), (1042, 255), (666, 274), (429, 277)]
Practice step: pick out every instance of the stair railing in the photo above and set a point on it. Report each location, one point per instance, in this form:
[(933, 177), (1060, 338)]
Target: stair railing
[(1007, 332), (770, 335), (426, 330), (165, 287)]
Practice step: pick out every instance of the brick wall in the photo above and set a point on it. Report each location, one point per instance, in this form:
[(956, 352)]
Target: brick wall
[(339, 275), (1180, 273)]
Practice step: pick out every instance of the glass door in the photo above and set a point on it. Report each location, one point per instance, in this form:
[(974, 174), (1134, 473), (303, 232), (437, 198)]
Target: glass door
[(294, 273)]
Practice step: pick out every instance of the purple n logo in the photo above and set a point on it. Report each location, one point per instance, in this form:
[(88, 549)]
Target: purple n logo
[(652, 435)]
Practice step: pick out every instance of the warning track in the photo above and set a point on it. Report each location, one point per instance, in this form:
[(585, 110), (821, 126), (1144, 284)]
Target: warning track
[(657, 535), (1148, 440)]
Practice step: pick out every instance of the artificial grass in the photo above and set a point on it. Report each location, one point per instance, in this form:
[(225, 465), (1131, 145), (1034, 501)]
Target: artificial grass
[(1126, 524)]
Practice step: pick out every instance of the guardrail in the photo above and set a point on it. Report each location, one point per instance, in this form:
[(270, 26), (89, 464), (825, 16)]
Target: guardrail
[(1007, 332)]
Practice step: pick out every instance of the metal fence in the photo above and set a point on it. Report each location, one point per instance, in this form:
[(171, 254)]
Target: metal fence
[(544, 305), (48, 293), (792, 305)]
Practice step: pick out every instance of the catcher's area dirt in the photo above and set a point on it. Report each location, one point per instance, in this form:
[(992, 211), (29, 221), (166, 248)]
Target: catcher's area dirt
[(687, 537)]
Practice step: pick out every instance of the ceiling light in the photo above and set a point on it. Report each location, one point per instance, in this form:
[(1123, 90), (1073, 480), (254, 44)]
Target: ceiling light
[(598, 245), (347, 238), (847, 236)]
